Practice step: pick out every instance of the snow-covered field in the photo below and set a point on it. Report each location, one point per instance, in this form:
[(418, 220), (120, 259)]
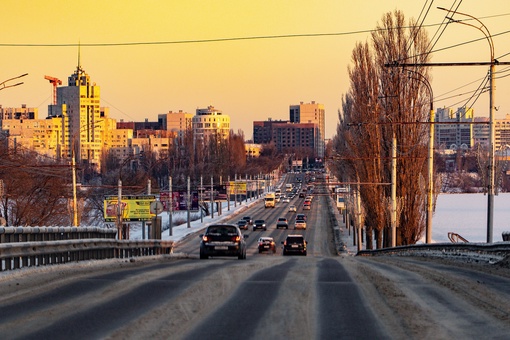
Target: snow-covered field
[(466, 215)]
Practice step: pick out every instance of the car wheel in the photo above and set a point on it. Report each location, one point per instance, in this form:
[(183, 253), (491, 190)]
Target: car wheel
[(265, 229), (203, 256), (260, 251), (254, 228), (304, 253), (286, 227)]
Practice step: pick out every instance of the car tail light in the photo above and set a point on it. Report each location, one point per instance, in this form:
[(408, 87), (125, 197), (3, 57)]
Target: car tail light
[(205, 238), (236, 238)]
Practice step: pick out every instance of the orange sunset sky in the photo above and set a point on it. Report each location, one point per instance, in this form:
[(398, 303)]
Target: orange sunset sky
[(169, 67)]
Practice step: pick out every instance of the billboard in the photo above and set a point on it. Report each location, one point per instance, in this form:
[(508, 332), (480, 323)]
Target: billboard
[(238, 187), (134, 208), (179, 200)]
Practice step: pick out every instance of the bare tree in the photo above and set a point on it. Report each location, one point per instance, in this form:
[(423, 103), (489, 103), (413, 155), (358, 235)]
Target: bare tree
[(384, 102)]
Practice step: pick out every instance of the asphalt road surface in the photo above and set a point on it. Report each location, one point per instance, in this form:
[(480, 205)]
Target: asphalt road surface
[(320, 296)]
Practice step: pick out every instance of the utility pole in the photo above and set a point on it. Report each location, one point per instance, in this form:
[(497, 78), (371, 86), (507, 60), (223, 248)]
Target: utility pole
[(394, 191)]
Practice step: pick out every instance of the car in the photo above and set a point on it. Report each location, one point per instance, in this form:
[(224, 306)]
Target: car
[(294, 244), (248, 219), (307, 205), (242, 224), (301, 195), (292, 208), (266, 244), (223, 240), (300, 224), (286, 200), (282, 223), (301, 217), (259, 224)]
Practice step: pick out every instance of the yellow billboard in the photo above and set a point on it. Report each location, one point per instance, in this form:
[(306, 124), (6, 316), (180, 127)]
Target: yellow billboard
[(134, 208), (237, 188)]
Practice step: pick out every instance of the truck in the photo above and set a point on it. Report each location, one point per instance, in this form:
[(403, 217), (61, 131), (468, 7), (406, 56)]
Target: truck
[(288, 187), (269, 200)]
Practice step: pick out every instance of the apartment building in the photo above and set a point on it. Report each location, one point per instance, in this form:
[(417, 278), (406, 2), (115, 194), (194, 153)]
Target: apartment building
[(311, 113), (456, 130), (210, 122)]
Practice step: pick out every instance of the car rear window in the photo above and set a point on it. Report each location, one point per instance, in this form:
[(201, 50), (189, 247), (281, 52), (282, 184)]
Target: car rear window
[(294, 239), (222, 230)]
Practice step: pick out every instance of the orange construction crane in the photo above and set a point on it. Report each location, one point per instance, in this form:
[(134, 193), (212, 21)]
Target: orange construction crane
[(54, 81)]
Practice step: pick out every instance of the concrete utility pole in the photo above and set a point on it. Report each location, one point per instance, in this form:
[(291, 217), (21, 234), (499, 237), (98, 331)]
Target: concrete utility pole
[(394, 191), (170, 205)]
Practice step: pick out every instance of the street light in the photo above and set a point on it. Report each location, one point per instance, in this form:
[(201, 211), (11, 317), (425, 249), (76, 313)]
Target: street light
[(430, 188), (490, 188), (4, 86)]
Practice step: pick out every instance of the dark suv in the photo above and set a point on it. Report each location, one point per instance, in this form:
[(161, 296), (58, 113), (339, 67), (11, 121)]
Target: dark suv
[(223, 240), (294, 244)]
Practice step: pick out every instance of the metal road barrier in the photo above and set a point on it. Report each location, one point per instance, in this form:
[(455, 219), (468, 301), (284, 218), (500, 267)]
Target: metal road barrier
[(491, 252), (40, 246), (27, 234)]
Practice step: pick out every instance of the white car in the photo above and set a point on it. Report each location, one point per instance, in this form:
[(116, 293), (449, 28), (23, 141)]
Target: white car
[(292, 208)]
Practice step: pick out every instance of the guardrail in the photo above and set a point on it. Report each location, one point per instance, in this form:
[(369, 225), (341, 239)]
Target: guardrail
[(40, 253), (493, 251), (27, 234)]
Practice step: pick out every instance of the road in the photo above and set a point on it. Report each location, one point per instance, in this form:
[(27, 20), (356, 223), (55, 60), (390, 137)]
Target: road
[(320, 296)]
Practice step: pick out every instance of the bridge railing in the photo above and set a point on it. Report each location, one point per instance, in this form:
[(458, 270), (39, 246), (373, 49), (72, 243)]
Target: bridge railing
[(40, 246), (27, 234)]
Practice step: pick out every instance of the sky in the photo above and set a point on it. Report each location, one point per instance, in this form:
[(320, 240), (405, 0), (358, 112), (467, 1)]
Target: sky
[(170, 67)]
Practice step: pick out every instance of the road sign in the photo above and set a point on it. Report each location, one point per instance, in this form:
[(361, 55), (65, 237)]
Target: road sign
[(156, 207)]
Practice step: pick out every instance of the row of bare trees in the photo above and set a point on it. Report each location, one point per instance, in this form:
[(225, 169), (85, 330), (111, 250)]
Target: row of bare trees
[(386, 103), (38, 190)]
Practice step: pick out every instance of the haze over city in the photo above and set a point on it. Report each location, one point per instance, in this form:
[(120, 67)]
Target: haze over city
[(151, 57)]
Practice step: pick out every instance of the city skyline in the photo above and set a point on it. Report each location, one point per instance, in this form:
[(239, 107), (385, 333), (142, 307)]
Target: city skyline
[(249, 79)]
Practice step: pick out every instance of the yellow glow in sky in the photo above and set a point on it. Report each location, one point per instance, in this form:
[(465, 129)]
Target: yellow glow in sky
[(246, 79)]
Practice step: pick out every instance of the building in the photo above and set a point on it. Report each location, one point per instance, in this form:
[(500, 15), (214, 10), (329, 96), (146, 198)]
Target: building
[(176, 122), (311, 113), (481, 131), (22, 112), (252, 150), (210, 122), (292, 137), (84, 122), (456, 130), (263, 131)]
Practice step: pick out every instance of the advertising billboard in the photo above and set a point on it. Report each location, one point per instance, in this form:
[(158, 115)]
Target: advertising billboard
[(133, 208), (179, 200)]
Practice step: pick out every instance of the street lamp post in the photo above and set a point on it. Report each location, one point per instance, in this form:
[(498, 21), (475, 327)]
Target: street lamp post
[(491, 185), (430, 167), (3, 84)]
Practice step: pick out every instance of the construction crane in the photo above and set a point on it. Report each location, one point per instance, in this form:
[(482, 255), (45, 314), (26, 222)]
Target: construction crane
[(55, 82)]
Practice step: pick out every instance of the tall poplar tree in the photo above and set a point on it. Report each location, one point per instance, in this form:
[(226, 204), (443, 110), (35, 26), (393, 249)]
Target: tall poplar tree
[(383, 102)]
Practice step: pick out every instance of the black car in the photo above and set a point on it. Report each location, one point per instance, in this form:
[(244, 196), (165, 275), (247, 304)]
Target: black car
[(248, 219), (282, 223), (294, 244), (242, 224), (259, 224), (223, 240)]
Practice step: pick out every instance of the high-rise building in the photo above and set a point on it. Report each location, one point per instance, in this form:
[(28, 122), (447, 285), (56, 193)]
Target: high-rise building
[(84, 123), (210, 122), (311, 113)]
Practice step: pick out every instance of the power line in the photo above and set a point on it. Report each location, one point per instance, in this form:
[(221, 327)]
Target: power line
[(214, 40)]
